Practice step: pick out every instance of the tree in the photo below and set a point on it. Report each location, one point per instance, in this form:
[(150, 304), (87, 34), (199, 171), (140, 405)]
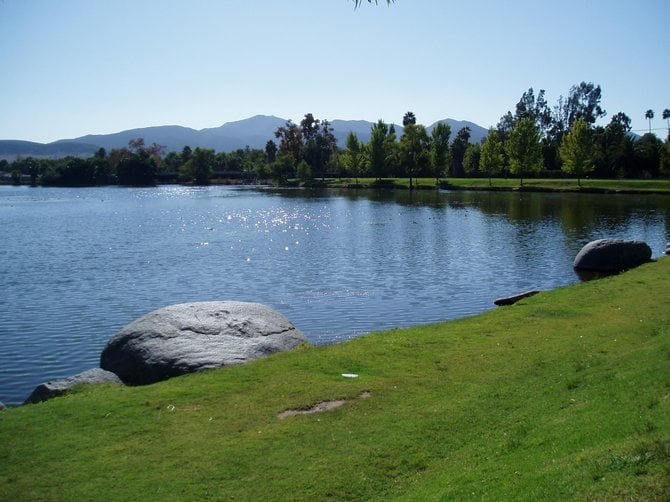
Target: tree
[(408, 119), (320, 143), (649, 115), (505, 126), (200, 166), (312, 141), (577, 151), (584, 103), (354, 155), (283, 167), (138, 168), (270, 151), (665, 157), (392, 152), (439, 150), (492, 155), (303, 171), (309, 127), (377, 149), (622, 121), (471, 159), (647, 152), (458, 147), (414, 146), (290, 141), (666, 117), (523, 149), (612, 147), (535, 109)]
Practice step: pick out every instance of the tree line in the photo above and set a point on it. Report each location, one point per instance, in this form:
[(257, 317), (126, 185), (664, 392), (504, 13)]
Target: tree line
[(533, 140), (139, 165)]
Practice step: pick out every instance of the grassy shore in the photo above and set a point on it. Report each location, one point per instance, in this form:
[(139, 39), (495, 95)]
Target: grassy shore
[(563, 396), (529, 184)]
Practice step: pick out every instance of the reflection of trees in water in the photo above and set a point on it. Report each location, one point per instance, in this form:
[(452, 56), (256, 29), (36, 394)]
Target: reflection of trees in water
[(581, 217)]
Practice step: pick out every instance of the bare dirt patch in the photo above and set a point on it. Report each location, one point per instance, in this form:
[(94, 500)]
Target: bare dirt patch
[(321, 407)]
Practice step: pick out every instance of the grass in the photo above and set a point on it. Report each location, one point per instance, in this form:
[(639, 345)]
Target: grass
[(540, 184), (562, 396)]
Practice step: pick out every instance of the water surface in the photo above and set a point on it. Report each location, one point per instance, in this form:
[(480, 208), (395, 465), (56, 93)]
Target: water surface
[(76, 265)]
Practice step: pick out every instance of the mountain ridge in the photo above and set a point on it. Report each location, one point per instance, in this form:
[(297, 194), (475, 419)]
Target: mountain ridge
[(253, 132)]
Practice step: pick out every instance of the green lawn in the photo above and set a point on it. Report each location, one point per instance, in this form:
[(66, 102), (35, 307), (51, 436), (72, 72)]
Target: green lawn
[(563, 396), (596, 185)]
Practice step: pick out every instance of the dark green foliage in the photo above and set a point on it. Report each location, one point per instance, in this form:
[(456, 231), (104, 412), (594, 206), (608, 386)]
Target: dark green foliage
[(271, 151), (312, 141), (379, 149), (283, 168), (458, 148), (648, 156), (439, 150), (138, 168), (471, 159), (200, 166)]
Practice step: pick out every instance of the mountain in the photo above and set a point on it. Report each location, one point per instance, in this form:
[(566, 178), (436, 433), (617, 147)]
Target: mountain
[(253, 132), (477, 132), (10, 149)]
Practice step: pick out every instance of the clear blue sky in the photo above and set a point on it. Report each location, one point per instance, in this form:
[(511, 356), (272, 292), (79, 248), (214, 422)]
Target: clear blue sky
[(73, 67)]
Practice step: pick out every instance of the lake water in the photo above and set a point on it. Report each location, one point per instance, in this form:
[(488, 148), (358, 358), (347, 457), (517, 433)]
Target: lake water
[(76, 265)]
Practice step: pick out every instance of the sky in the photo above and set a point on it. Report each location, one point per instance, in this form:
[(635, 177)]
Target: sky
[(74, 67)]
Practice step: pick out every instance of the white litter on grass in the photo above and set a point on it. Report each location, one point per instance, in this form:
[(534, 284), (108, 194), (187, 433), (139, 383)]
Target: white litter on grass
[(349, 375)]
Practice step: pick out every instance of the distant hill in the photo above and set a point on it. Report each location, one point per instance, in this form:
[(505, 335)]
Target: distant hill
[(10, 149), (253, 132)]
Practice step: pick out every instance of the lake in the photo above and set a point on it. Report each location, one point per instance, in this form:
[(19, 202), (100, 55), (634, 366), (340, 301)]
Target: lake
[(77, 264)]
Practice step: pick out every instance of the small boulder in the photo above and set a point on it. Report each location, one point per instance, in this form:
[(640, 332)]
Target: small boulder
[(55, 388), (612, 255), (190, 337)]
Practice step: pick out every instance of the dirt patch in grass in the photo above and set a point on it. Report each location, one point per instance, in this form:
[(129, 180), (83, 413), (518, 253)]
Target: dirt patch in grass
[(321, 406)]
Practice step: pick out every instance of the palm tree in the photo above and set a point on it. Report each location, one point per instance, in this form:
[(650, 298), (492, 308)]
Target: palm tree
[(666, 117), (649, 115), (409, 118)]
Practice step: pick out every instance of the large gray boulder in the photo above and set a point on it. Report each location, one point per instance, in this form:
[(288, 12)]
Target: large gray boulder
[(191, 337), (612, 255), (55, 388)]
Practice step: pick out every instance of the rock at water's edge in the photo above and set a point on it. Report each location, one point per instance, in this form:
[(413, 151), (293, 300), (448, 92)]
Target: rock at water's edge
[(190, 337), (612, 255), (512, 299), (55, 388)]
